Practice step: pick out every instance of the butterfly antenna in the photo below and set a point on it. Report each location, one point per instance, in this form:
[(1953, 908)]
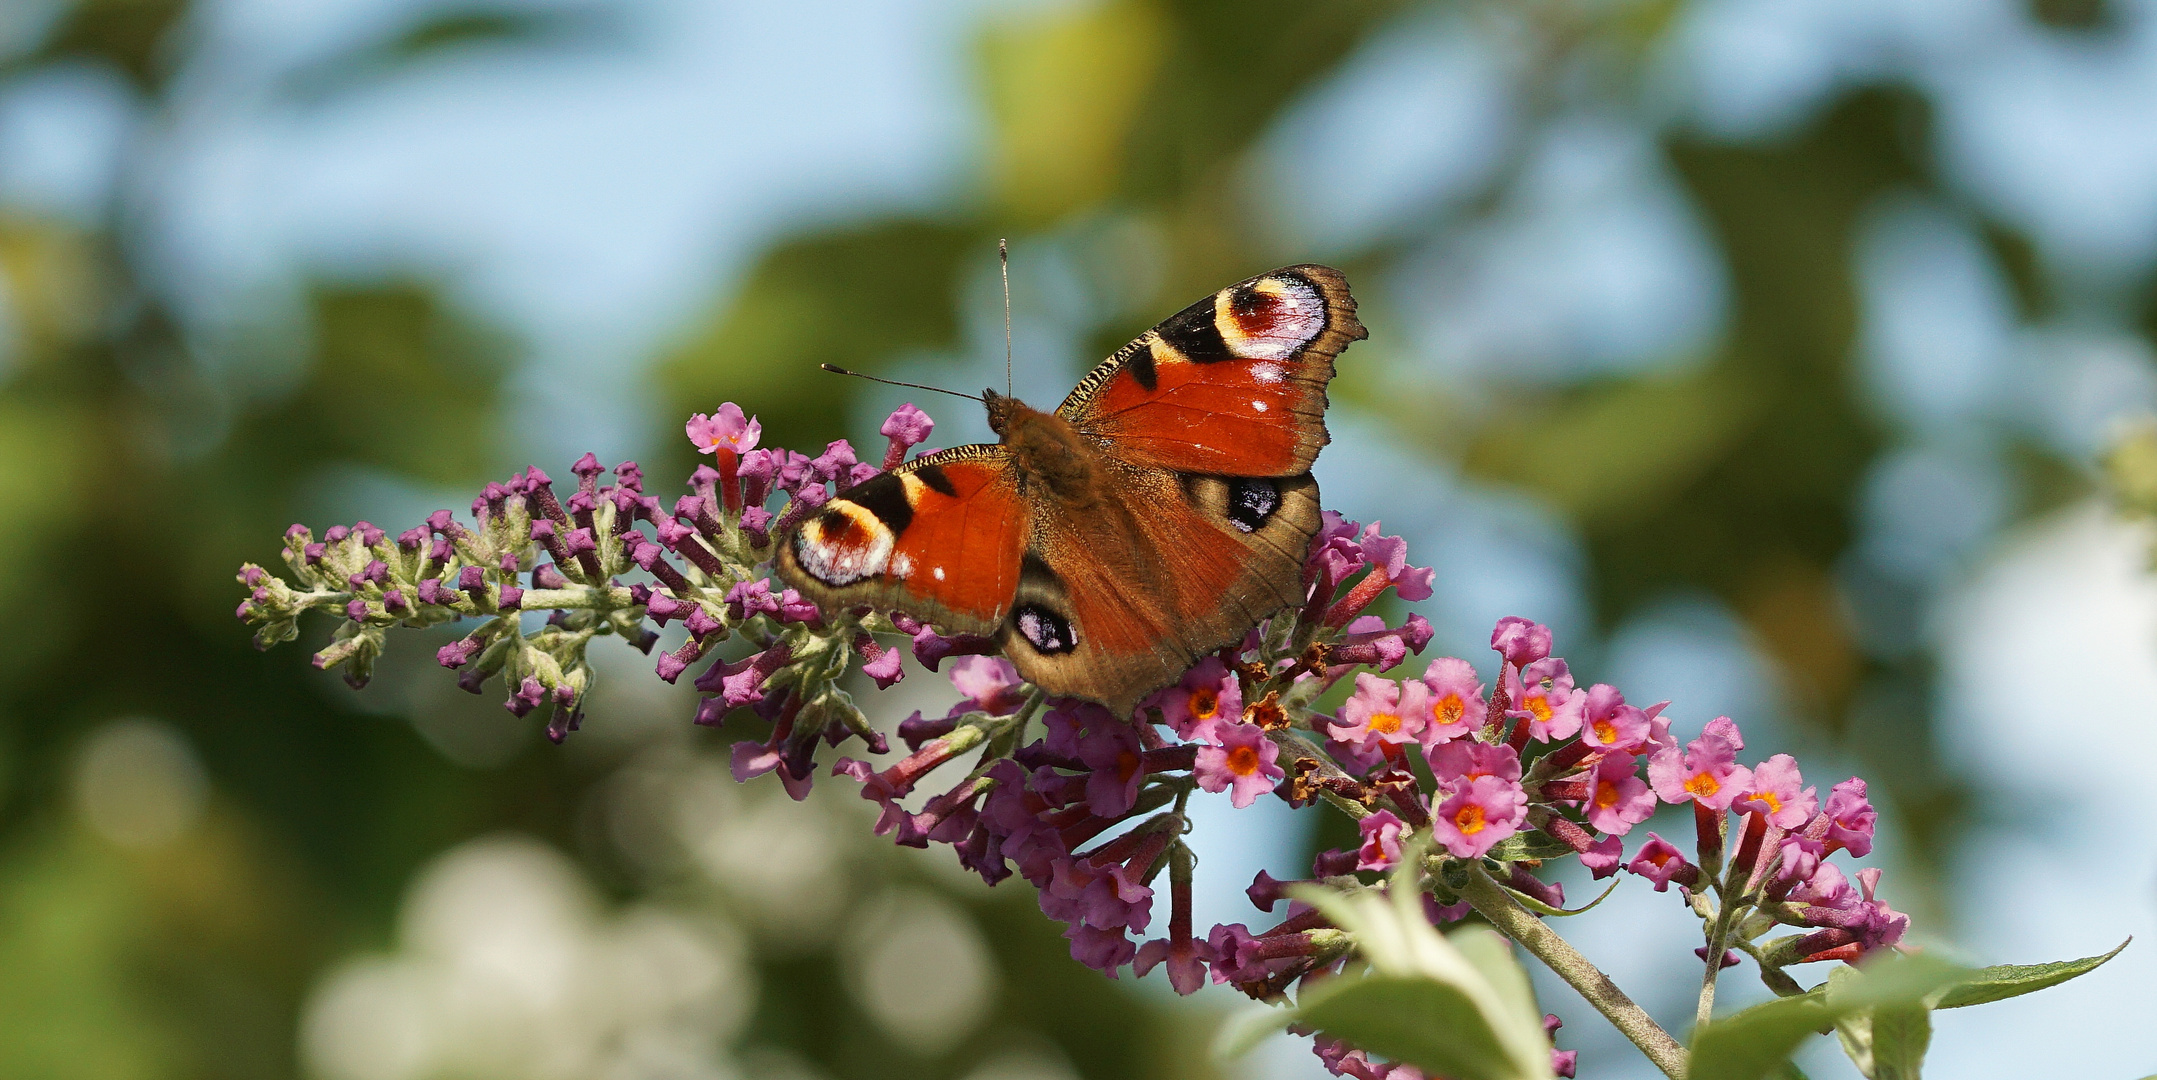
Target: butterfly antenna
[(837, 370), (1003, 261)]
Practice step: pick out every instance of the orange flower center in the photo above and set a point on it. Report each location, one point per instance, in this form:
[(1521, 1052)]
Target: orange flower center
[(1606, 794), (1243, 760), (1606, 732), (1469, 819), (1385, 723), (1449, 709), (1540, 706), (1205, 702), (1659, 857), (1703, 785), (1768, 797)]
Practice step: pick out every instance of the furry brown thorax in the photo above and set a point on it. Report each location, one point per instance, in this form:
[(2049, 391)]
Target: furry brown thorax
[(1047, 450)]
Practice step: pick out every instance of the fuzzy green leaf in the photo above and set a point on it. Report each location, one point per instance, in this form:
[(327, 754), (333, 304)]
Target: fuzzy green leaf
[(1455, 1005), (2002, 981)]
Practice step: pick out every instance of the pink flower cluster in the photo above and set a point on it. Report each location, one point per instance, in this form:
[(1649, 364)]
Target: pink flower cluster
[(1087, 806)]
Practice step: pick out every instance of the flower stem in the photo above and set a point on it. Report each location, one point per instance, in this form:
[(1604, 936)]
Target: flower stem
[(1516, 922)]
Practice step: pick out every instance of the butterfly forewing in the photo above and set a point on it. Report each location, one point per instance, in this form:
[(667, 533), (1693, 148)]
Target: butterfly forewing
[(1234, 385), (939, 538)]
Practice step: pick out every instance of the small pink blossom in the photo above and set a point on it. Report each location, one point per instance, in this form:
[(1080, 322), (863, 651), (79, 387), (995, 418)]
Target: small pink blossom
[(1603, 856), (1521, 642), (1543, 694), (1661, 863), (1382, 833), (1382, 711), (725, 429), (1850, 818), (907, 427), (1206, 692), (1610, 722), (1706, 771), (1456, 700), (1240, 760), (1116, 757), (1464, 760), (1774, 794), (1478, 814), (989, 683), (1186, 962), (1617, 798)]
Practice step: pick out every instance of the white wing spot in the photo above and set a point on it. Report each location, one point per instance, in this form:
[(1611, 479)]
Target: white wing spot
[(901, 565), (939, 573), (1268, 372), (1259, 406)]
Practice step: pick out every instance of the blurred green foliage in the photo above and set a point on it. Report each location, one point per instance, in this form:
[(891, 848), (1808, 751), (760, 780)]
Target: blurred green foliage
[(148, 479)]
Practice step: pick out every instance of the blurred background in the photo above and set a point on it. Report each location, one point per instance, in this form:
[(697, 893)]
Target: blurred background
[(1764, 348)]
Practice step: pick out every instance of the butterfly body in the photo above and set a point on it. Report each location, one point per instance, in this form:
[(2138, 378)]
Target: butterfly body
[(1158, 514)]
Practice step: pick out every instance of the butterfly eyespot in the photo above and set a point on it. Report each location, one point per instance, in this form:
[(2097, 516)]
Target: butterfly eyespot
[(843, 545), (1251, 502), (1045, 630)]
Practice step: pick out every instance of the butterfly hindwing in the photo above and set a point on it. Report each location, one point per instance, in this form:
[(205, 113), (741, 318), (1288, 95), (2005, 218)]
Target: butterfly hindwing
[(939, 538), (1117, 600), (1234, 385)]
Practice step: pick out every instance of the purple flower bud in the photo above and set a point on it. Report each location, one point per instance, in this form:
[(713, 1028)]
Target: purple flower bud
[(431, 592), (1522, 642), (652, 558), (663, 607), (458, 653), (413, 539), (907, 427), (528, 697), (883, 663), (700, 622), (914, 730), (356, 610), (756, 472), (472, 581), (393, 601), (756, 521), (548, 576), (312, 553), (587, 469), (834, 463), (512, 598), (299, 532), (630, 475), (440, 552), (247, 607), (368, 534), (335, 534)]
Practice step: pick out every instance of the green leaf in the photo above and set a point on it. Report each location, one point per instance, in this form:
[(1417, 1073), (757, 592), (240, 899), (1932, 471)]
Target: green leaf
[(1434, 1026), (1754, 1043), (2002, 981), (1533, 844), (1900, 1036), (1549, 912), (1455, 1005)]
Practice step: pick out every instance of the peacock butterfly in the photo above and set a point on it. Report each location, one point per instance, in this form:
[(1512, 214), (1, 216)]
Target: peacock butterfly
[(1157, 515)]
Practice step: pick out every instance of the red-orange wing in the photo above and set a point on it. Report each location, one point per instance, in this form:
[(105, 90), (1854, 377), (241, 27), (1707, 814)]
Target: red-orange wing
[(938, 538), (1234, 385)]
